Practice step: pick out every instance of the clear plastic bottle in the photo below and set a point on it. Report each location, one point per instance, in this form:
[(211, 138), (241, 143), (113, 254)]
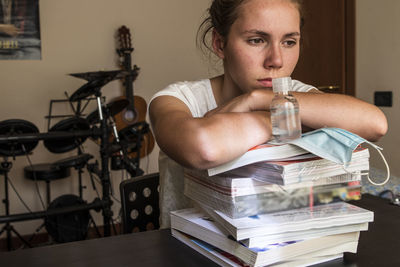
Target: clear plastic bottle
[(285, 118)]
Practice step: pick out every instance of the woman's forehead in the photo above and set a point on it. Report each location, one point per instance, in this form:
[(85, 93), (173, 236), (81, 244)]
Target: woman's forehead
[(256, 5), (268, 14)]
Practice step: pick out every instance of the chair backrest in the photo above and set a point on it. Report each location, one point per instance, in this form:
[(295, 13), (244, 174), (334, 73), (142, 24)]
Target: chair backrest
[(139, 203)]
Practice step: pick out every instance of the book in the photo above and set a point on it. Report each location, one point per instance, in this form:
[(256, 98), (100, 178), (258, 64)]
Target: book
[(316, 217), (192, 219), (223, 258), (208, 232), (295, 171), (259, 241), (237, 206), (262, 152), (242, 185)]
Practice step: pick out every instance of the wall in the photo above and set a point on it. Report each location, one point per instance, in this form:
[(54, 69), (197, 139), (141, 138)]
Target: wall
[(79, 36), (377, 68)]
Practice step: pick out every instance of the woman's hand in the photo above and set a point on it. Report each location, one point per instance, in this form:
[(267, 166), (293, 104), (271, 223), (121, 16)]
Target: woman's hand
[(9, 29), (257, 100), (319, 110)]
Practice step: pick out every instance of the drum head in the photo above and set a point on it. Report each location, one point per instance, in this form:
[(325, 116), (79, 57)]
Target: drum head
[(93, 117), (70, 226), (74, 161), (45, 172), (15, 127), (70, 143)]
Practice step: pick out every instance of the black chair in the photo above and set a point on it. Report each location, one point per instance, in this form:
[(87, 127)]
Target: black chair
[(139, 203)]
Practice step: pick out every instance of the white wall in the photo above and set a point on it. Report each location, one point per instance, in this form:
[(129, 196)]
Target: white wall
[(79, 36), (377, 67)]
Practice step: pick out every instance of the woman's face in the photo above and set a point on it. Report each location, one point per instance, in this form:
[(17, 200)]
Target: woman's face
[(263, 43)]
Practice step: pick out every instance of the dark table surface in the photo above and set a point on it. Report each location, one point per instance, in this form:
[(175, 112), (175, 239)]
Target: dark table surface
[(379, 246)]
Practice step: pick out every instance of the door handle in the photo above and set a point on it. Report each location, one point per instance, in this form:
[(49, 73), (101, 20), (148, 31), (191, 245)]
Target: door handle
[(328, 87)]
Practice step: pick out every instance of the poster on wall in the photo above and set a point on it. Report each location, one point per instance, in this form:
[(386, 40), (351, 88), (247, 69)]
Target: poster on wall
[(19, 29)]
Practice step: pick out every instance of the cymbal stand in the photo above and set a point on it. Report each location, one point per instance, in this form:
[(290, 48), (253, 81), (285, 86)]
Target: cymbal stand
[(8, 228), (105, 173), (116, 135), (79, 168)]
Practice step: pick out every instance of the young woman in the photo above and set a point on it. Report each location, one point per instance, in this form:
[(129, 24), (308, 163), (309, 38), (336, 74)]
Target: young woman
[(206, 123)]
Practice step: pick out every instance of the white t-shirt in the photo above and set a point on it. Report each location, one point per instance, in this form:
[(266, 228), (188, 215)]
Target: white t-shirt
[(199, 98)]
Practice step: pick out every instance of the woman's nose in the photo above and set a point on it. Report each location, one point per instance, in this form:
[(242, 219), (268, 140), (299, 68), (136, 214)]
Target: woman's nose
[(273, 58)]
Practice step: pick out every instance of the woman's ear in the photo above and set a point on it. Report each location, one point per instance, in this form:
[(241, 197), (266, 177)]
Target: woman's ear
[(218, 44)]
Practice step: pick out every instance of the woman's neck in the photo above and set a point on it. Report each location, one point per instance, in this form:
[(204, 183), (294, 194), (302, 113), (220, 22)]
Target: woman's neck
[(223, 90)]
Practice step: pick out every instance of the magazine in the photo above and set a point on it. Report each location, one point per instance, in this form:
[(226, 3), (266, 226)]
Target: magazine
[(262, 152), (271, 253), (223, 258), (321, 216)]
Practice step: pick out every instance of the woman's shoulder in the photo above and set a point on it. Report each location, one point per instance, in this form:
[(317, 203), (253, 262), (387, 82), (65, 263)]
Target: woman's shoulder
[(196, 95), (188, 85), (183, 88)]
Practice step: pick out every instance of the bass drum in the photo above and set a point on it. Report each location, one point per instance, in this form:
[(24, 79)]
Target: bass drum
[(70, 226)]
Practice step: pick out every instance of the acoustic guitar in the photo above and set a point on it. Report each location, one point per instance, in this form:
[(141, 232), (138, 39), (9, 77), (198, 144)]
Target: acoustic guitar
[(133, 118)]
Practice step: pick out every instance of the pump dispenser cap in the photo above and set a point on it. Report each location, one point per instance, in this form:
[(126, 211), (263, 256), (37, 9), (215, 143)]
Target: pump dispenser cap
[(283, 84)]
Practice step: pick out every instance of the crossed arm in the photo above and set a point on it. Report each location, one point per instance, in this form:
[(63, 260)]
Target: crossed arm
[(9, 29), (231, 129)]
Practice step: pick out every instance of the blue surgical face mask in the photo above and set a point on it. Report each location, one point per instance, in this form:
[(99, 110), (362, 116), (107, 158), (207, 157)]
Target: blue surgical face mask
[(335, 144)]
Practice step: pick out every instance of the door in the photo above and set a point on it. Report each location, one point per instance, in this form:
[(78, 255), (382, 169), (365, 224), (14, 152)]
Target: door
[(327, 57)]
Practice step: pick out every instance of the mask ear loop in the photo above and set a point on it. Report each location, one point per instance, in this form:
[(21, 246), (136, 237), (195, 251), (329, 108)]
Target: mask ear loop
[(377, 148), (387, 169)]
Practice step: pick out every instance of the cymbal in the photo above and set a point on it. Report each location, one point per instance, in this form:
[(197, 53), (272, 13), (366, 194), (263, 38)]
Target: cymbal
[(96, 75), (116, 106), (113, 108), (89, 88), (96, 80)]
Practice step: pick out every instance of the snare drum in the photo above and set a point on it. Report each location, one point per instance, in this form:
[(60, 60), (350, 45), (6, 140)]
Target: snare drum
[(78, 161)]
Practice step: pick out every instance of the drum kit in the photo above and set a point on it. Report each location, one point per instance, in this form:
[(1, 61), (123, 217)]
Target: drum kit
[(20, 137)]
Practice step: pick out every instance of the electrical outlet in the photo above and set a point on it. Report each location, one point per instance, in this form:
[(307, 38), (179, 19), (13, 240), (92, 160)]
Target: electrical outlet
[(383, 98)]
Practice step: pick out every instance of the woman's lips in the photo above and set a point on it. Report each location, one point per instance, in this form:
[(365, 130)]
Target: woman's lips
[(266, 82)]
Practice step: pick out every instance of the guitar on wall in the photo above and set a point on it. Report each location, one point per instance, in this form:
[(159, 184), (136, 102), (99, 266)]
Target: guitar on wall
[(131, 122)]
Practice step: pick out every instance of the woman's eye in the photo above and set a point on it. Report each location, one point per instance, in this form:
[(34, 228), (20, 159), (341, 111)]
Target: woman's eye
[(256, 41), (290, 43)]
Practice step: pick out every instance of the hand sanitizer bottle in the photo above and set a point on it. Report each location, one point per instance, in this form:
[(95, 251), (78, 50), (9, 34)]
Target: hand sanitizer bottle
[(285, 118)]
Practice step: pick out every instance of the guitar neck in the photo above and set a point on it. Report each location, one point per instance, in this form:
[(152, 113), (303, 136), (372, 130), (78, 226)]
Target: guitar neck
[(125, 52), (128, 82)]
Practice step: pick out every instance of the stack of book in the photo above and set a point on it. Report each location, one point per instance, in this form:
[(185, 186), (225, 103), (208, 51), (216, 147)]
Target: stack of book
[(284, 171), (241, 197), (275, 208)]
